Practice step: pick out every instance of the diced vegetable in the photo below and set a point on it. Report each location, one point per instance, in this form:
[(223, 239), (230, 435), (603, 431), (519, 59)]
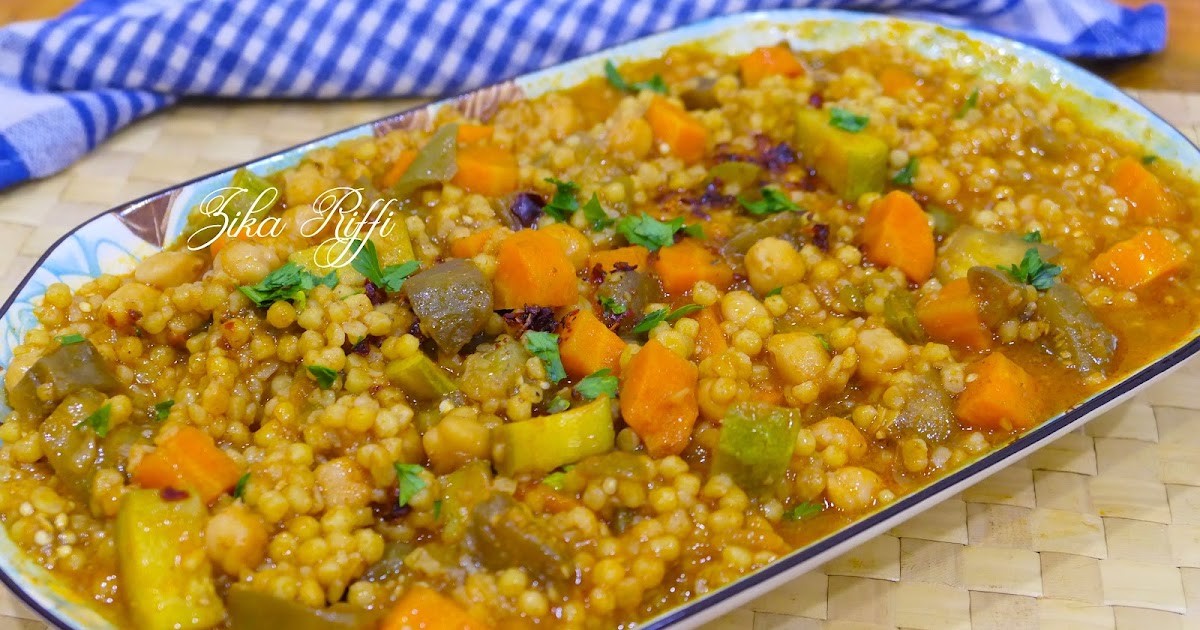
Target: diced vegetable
[(188, 459), (944, 223), (435, 163), (743, 174), (897, 234), (452, 301), (852, 163), (163, 565), (468, 133), (587, 345), (487, 170), (424, 608), (542, 444), (1145, 257), (255, 610), (504, 533), (632, 255), (680, 266), (927, 412), (1075, 333), (628, 292), (257, 200), (896, 81), (420, 377), (952, 316), (900, 313), (494, 373), (533, 269), (756, 444), (1000, 298), (658, 398), (462, 490), (474, 244), (1002, 396), (700, 95), (59, 373), (767, 61), (782, 225), (687, 138), (972, 247), (73, 453), (403, 160), (710, 340), (1148, 199)]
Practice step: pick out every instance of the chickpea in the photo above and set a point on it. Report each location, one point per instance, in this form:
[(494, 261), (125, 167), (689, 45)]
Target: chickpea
[(842, 433), (246, 261), (304, 184), (126, 305), (799, 357), (853, 489), (936, 180), (879, 353), (236, 539), (631, 136), (169, 269), (740, 307), (574, 243), (772, 263), (456, 440), (343, 482)]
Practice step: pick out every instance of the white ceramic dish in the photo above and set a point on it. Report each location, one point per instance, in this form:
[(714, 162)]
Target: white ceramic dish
[(113, 241)]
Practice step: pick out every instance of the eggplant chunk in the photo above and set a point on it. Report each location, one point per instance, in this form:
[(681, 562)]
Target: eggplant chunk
[(632, 291), (252, 610), (58, 374), (1076, 335), (927, 412), (452, 301), (73, 451), (972, 247), (1000, 299), (504, 533)]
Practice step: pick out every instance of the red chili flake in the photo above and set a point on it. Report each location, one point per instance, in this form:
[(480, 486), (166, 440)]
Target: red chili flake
[(173, 494), (376, 294), (536, 318), (821, 236), (361, 348), (621, 265), (596, 274)]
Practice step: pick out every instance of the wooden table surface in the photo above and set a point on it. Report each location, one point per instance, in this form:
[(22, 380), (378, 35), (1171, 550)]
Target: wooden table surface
[(1176, 68)]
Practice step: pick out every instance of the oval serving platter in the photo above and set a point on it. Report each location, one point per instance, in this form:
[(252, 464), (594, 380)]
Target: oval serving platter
[(115, 240)]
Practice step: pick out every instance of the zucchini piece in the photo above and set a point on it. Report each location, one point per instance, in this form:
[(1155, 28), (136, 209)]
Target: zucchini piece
[(163, 564), (542, 444), (972, 247), (852, 163), (756, 444), (420, 377)]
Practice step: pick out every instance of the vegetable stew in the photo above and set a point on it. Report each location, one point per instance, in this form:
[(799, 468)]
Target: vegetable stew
[(616, 347)]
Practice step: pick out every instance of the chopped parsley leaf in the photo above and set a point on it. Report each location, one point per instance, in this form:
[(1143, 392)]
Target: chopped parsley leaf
[(824, 342), (68, 340), (1032, 237), (163, 409), (649, 232), (289, 282), (612, 305), (239, 489), (696, 231), (544, 346), (556, 480), (595, 215), (655, 84), (772, 202), (388, 278), (1033, 270), (775, 291), (906, 175), (969, 104), (597, 384), (802, 511), (847, 120), (325, 376), (408, 481), (563, 204), (1149, 159), (437, 510), (663, 315), (98, 420), (558, 404)]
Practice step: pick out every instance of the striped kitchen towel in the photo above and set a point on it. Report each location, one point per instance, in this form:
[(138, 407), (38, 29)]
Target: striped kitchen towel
[(67, 84)]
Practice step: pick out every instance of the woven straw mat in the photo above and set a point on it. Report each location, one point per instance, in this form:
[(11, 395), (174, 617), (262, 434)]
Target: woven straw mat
[(1098, 530)]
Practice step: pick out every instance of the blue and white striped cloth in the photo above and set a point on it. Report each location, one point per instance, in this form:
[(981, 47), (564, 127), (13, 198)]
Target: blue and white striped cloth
[(69, 83)]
